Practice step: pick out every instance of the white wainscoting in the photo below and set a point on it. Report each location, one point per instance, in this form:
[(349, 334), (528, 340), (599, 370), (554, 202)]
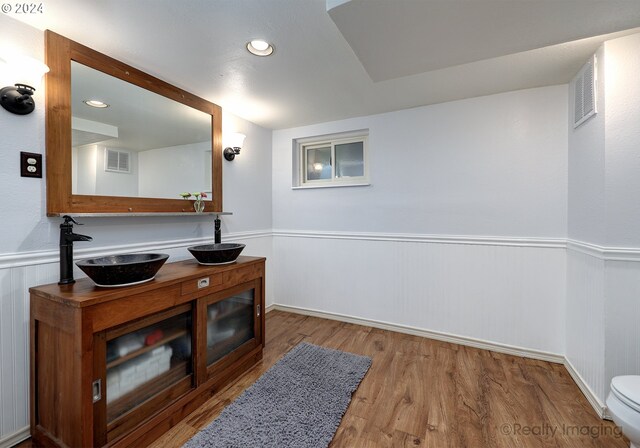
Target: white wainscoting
[(622, 313), (585, 324), (14, 345), (523, 296), (602, 313), (18, 272), (507, 291)]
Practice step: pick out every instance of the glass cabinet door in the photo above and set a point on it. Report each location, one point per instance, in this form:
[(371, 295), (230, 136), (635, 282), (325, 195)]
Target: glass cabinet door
[(143, 362), (230, 324)]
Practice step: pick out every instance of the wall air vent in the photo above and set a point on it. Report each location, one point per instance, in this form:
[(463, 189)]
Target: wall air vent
[(116, 161), (584, 88)]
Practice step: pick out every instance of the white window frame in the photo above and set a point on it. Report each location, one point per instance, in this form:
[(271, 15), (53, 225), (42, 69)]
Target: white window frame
[(302, 145)]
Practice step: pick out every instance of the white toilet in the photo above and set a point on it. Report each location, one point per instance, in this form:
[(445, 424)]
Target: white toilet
[(623, 403)]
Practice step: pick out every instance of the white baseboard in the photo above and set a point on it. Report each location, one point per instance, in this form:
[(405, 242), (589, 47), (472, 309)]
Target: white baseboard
[(269, 308), (15, 438), (437, 335), (593, 400)]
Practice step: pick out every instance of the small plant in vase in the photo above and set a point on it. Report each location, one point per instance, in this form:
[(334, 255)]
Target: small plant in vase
[(198, 203)]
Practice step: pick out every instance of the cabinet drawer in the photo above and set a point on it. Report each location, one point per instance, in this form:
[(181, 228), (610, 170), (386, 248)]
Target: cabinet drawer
[(242, 275), (111, 314), (201, 283)]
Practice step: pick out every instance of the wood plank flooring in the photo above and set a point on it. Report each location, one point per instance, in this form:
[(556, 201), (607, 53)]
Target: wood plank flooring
[(425, 393)]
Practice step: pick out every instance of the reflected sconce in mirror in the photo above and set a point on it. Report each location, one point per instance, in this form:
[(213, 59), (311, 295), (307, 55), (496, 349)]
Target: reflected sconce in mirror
[(27, 73), (235, 145)]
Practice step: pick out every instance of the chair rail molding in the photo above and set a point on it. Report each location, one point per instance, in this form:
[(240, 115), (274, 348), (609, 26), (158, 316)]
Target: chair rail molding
[(608, 253), (554, 243)]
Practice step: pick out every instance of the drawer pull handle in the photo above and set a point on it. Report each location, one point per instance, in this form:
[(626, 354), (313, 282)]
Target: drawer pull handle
[(97, 390), (203, 282), (258, 310)]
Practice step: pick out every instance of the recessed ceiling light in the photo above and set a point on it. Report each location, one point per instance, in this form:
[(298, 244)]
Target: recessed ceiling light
[(95, 103), (260, 47)]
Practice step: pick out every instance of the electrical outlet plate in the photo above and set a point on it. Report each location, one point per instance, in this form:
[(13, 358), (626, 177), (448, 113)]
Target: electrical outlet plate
[(30, 164)]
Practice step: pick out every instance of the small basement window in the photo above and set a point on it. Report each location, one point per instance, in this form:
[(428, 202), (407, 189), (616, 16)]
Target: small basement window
[(332, 160)]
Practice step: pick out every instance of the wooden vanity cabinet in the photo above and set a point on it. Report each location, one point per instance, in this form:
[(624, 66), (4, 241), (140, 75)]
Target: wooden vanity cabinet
[(120, 366)]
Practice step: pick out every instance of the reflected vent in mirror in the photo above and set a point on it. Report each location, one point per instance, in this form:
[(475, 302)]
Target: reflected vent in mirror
[(117, 161), (584, 88)]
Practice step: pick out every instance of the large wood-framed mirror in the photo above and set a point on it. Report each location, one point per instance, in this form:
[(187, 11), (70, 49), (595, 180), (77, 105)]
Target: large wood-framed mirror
[(153, 141)]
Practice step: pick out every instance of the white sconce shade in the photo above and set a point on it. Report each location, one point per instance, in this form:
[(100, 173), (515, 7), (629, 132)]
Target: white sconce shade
[(236, 140), (25, 70), (26, 73)]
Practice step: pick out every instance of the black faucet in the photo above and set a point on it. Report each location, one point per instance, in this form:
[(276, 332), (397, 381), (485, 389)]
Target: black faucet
[(217, 236), (67, 237)]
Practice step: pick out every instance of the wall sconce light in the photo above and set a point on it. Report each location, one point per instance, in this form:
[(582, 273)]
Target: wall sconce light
[(235, 145), (27, 72)]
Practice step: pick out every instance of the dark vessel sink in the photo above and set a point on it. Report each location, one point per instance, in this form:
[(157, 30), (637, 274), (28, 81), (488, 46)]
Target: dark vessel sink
[(122, 270), (221, 253)]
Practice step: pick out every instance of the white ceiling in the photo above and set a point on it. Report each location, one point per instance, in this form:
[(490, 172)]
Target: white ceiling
[(361, 57), (144, 120), (400, 38)]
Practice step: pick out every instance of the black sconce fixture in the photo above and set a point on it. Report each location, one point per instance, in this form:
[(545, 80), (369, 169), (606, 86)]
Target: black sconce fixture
[(235, 145), (18, 99), (28, 72)]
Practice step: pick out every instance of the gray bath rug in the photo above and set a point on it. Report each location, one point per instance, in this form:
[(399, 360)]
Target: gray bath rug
[(298, 402)]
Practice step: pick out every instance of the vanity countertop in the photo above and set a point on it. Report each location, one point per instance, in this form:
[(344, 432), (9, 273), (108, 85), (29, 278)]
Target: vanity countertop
[(85, 293)]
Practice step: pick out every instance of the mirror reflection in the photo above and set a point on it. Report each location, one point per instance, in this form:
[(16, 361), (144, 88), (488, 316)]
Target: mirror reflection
[(138, 144)]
